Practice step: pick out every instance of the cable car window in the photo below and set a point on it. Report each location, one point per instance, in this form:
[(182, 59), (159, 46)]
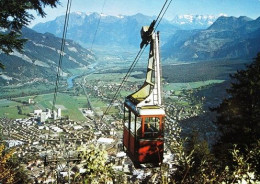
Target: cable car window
[(132, 122), (151, 127), (135, 123), (138, 124), (126, 117)]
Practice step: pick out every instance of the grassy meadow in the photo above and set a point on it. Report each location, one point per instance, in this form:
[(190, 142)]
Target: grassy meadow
[(69, 105)]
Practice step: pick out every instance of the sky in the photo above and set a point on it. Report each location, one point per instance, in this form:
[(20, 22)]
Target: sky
[(250, 8)]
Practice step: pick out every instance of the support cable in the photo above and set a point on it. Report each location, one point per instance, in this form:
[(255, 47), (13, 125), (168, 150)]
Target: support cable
[(97, 25), (161, 11), (65, 27), (163, 14), (139, 54)]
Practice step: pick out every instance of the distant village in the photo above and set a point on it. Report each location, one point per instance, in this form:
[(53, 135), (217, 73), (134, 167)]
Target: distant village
[(48, 143)]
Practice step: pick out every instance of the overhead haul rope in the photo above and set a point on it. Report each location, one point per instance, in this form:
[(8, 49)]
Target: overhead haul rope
[(98, 25), (61, 52), (161, 10), (139, 54), (60, 61), (163, 13)]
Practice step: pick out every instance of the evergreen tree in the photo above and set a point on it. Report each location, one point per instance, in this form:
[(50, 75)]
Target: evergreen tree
[(13, 16), (239, 115)]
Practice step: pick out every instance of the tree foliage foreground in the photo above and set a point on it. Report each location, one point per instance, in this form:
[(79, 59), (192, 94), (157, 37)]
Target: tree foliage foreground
[(11, 171), (236, 156), (239, 115)]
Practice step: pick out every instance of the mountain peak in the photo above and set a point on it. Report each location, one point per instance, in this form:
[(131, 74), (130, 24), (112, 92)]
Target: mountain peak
[(83, 15), (189, 21), (113, 30), (226, 23), (244, 18), (140, 16), (228, 37)]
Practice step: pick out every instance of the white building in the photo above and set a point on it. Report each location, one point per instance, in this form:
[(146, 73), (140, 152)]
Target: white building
[(48, 113), (37, 112), (30, 101), (88, 113), (103, 140), (54, 115), (44, 116), (59, 113)]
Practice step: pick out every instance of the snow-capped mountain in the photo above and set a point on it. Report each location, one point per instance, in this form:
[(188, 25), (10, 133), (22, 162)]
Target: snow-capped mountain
[(194, 21), (123, 30), (120, 30)]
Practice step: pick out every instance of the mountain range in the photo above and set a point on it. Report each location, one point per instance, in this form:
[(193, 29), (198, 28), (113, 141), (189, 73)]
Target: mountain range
[(40, 58), (189, 22), (226, 38), (185, 38), (112, 30)]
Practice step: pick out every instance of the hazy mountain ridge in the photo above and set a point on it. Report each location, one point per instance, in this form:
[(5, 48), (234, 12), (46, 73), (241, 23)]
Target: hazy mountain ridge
[(119, 30), (113, 30), (227, 37), (40, 58)]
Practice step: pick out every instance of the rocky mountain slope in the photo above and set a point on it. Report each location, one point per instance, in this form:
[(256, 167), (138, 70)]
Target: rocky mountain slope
[(227, 37), (40, 58), (185, 38)]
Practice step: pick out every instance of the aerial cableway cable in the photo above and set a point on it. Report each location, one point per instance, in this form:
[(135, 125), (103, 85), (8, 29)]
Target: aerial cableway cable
[(95, 34), (155, 24), (163, 13), (60, 61), (139, 54), (65, 27), (161, 10)]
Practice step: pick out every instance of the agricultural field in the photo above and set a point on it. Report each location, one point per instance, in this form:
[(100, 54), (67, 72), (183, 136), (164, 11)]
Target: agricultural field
[(9, 109), (189, 85), (184, 85), (70, 101), (25, 89), (69, 105)]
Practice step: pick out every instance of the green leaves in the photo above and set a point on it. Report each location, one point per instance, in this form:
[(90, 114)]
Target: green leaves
[(237, 154), (11, 41), (2, 66), (94, 161), (238, 116)]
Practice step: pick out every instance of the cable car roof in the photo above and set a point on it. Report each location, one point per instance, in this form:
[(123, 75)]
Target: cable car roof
[(145, 110)]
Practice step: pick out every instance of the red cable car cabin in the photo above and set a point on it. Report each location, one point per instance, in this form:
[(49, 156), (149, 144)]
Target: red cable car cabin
[(143, 135)]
